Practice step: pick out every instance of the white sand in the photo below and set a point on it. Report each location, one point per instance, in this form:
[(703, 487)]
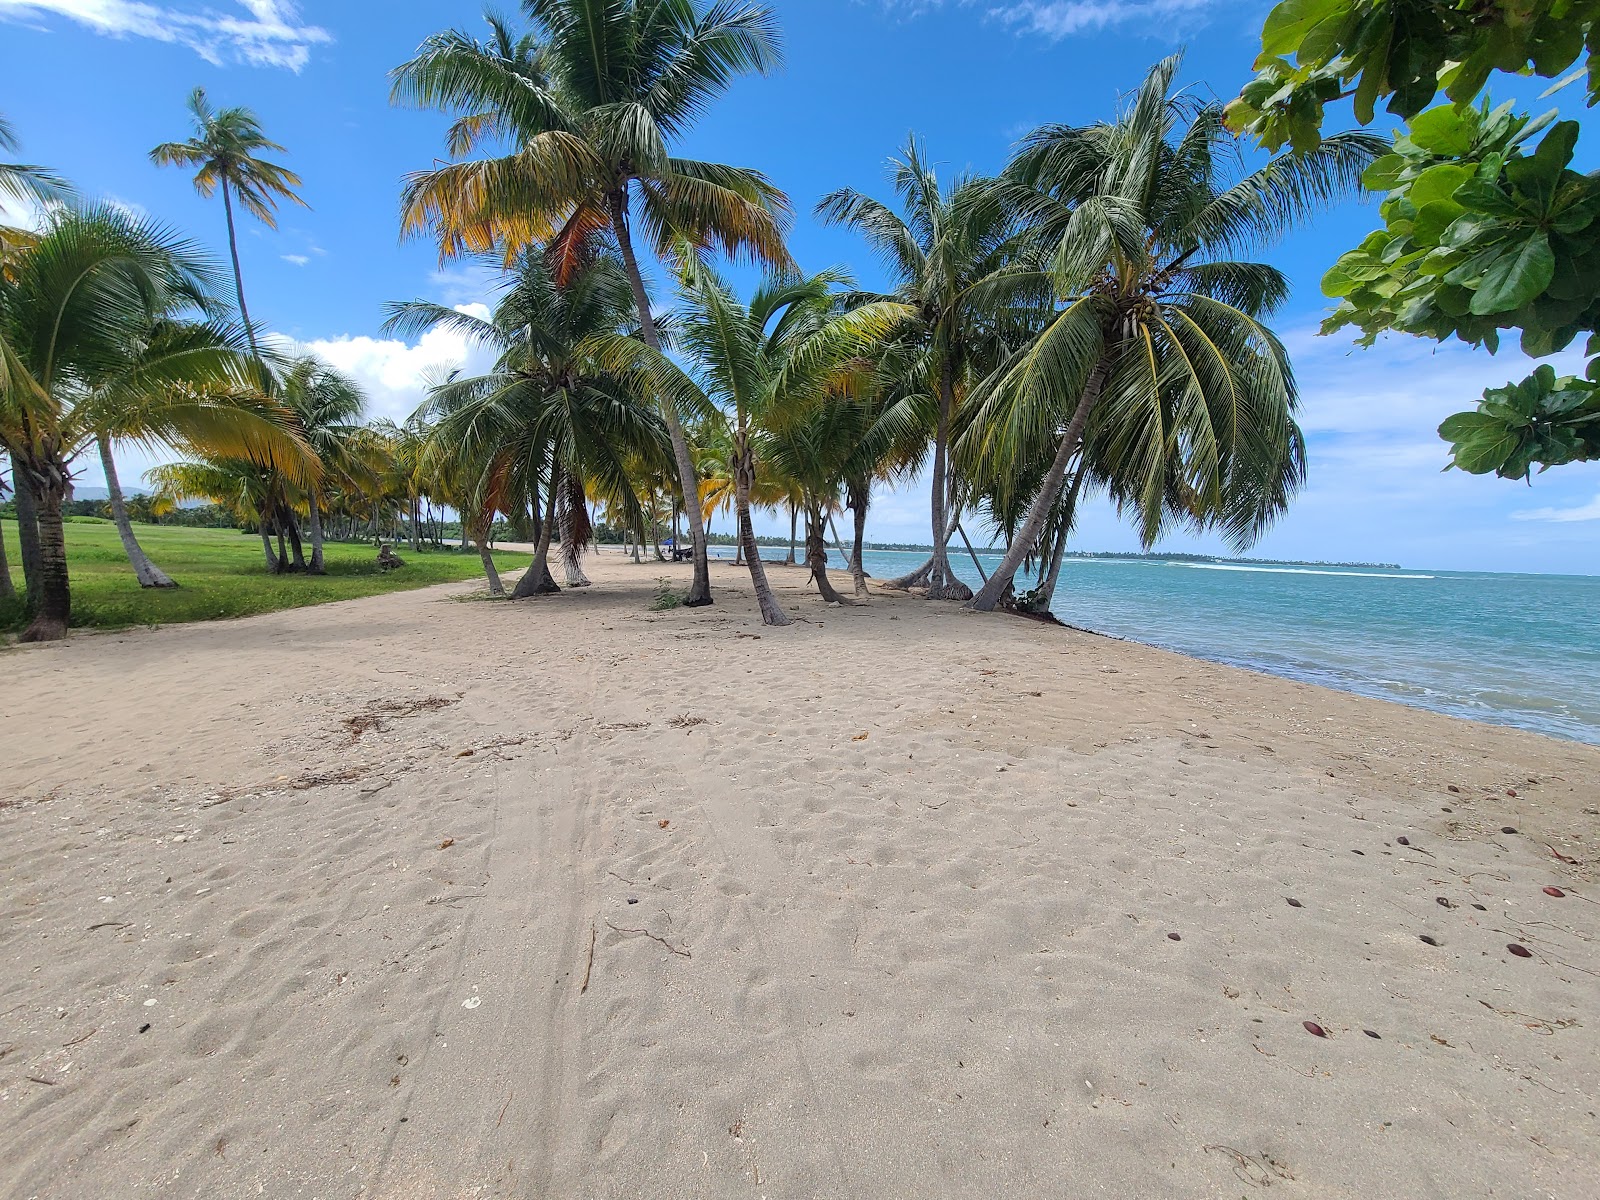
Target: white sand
[(879, 907)]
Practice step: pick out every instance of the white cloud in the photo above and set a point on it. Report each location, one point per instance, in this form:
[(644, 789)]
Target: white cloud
[(1583, 512), (298, 260), (1057, 19), (395, 374), (268, 33), (1054, 20)]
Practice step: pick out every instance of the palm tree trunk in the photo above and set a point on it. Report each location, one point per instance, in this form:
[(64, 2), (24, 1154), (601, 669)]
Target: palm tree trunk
[(27, 533), (146, 572), (859, 499), (288, 523), (536, 580), (744, 475), (266, 548), (838, 544), (416, 522), (485, 555), (793, 516), (915, 579), (1027, 537), (817, 555), (8, 590), (1058, 552), (238, 275), (315, 522), (942, 581), (971, 553), (688, 479), (52, 607)]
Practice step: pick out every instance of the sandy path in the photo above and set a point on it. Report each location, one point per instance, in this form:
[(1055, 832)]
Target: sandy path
[(879, 905)]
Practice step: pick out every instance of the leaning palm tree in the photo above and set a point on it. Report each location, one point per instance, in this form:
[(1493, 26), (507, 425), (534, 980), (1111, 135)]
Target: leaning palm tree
[(753, 367), (1159, 336), (587, 107), (152, 399), (952, 257), (89, 289), (549, 418), (226, 151)]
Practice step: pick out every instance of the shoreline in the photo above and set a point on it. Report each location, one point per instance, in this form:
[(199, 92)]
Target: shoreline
[(571, 897)]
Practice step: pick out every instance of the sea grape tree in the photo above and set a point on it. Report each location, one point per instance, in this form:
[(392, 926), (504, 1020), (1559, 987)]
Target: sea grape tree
[(1487, 228)]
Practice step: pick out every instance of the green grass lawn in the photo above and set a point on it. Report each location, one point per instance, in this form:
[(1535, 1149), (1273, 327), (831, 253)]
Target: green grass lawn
[(220, 573)]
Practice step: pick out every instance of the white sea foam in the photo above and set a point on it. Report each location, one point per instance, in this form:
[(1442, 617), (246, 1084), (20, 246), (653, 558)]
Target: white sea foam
[(1296, 571)]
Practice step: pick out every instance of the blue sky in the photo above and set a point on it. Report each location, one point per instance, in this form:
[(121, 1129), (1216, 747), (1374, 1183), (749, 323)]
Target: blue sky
[(969, 76)]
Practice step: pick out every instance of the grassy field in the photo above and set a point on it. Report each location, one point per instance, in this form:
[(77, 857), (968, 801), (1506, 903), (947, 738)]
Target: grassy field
[(220, 573)]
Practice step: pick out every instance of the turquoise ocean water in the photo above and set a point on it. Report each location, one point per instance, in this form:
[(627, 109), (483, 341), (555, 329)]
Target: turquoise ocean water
[(1519, 650)]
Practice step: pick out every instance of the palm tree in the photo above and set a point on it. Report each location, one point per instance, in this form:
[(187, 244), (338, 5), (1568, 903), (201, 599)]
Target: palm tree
[(1158, 336), (226, 150), (588, 106), (951, 255), (327, 407), (150, 398), (81, 299), (756, 367), (549, 418)]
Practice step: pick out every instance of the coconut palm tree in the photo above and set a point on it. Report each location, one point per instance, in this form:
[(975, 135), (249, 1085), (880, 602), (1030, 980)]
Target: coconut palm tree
[(327, 407), (151, 399), (953, 258), (1159, 334), (549, 417), (226, 151), (756, 366), (75, 322), (587, 107)]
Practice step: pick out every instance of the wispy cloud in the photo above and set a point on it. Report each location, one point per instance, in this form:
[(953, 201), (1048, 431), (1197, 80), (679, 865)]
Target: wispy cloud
[(1054, 20), (267, 33), (1583, 512), (298, 260), (1057, 19)]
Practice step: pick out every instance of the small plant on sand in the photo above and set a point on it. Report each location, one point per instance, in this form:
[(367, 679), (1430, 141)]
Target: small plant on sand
[(665, 597)]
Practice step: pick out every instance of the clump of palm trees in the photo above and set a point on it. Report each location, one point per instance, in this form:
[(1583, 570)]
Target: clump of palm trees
[(114, 330), (1086, 321)]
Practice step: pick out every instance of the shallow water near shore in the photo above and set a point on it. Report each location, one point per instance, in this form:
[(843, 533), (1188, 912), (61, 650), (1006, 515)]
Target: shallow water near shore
[(1520, 650)]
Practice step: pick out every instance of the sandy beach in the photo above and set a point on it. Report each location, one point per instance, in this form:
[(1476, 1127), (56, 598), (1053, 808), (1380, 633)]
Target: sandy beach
[(421, 897)]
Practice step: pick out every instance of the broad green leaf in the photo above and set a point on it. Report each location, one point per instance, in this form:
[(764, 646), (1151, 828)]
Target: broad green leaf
[(1487, 198), (1446, 130), (1384, 173), (1516, 277), (1437, 183), (1433, 219), (1288, 25)]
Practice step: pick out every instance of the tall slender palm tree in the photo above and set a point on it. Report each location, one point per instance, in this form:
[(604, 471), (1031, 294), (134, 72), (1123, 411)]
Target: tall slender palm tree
[(90, 288), (226, 151), (549, 417), (951, 255), (1159, 333), (757, 366), (588, 106)]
